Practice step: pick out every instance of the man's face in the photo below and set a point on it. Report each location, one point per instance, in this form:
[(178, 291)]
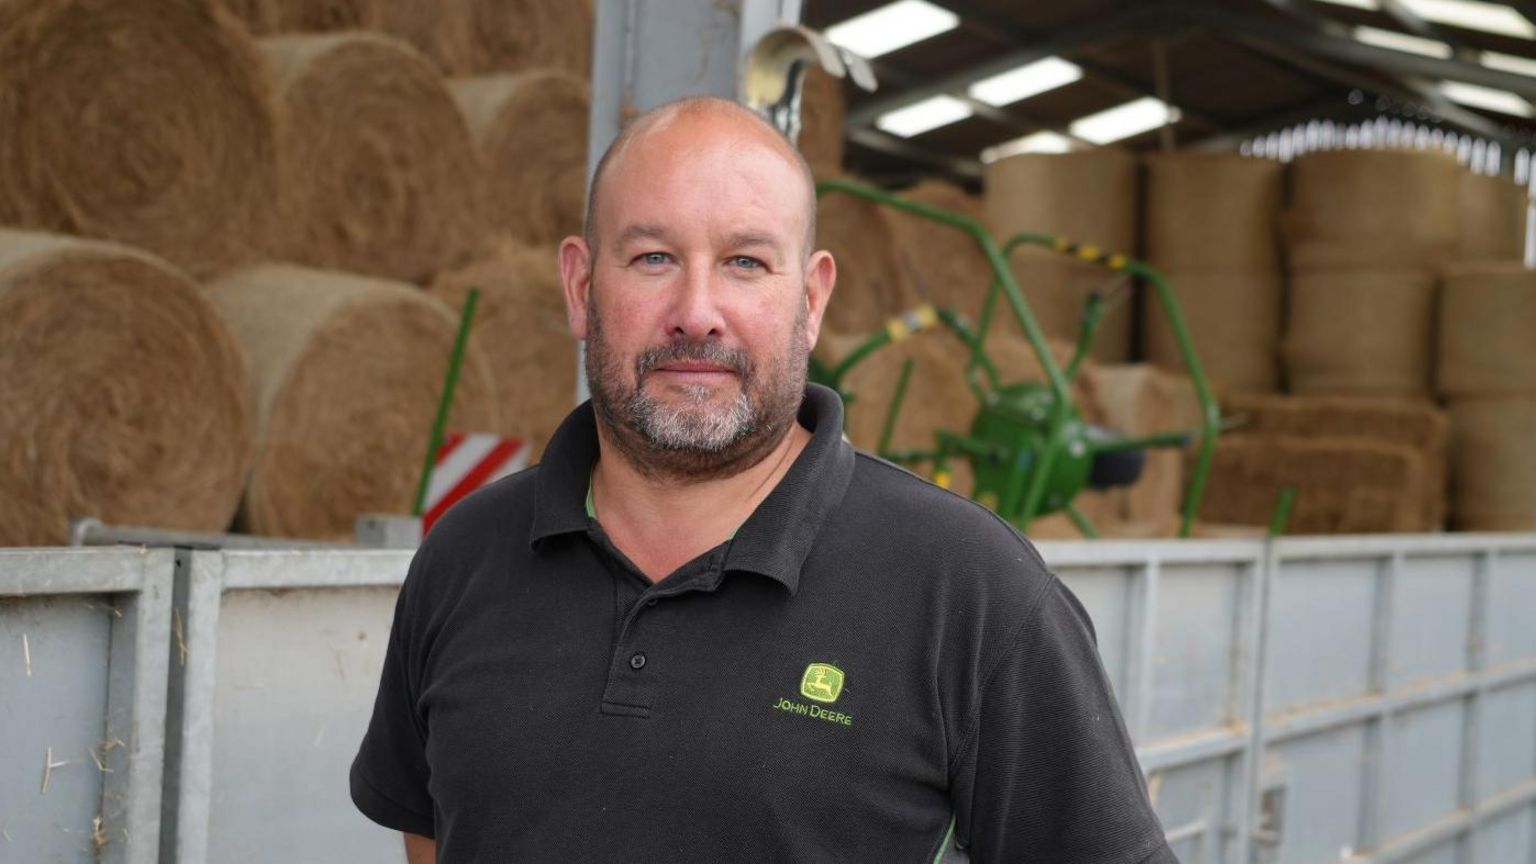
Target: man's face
[(696, 308)]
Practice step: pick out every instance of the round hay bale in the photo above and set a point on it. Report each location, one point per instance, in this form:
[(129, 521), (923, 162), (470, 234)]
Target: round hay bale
[(125, 395), (1364, 209), (873, 276), (1087, 197), (382, 177), (346, 373), (521, 329), (486, 37), (1490, 219), (1213, 212), (1360, 333), (1234, 320), (948, 265), (531, 131), (267, 17), (1493, 465), (1487, 322), (823, 113), (143, 122)]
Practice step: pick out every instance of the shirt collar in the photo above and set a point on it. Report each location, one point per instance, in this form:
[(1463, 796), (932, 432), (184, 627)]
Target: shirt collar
[(778, 536)]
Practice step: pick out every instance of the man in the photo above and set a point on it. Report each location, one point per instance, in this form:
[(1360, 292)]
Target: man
[(704, 629)]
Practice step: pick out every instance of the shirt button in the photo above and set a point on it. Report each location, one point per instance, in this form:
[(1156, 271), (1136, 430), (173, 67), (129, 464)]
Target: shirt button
[(637, 662)]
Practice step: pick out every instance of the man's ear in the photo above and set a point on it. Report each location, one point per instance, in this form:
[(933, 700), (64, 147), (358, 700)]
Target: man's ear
[(820, 278), (576, 282)]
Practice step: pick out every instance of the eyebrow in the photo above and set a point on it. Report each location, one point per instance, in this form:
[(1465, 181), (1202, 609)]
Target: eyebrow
[(640, 231)]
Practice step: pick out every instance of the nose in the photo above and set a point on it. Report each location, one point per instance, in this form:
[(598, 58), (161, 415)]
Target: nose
[(695, 313)]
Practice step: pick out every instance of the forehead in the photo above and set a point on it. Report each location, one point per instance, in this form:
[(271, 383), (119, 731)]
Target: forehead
[(705, 174)]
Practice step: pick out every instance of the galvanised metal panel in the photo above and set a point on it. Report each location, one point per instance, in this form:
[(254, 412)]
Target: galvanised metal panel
[(1512, 595), (1422, 766), (1423, 748), (1506, 838), (1319, 629), (1506, 752), (283, 659), (1178, 628), (83, 654), (1432, 607)]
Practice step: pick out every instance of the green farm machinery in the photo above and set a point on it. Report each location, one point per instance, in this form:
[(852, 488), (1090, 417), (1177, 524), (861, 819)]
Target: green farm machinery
[(1028, 447)]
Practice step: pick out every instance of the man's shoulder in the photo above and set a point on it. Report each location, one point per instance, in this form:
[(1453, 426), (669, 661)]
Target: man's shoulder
[(484, 520), (939, 529)]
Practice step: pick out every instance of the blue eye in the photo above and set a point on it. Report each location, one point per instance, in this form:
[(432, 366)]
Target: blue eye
[(746, 262), (654, 259)]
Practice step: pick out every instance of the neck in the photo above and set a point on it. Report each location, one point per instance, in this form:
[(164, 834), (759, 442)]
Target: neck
[(661, 522)]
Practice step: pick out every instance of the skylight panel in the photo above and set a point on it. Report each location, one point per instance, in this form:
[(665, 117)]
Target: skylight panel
[(1478, 96), (1039, 142), (1473, 15), (1123, 121), (920, 117), (1402, 42), (1509, 63), (1025, 81), (892, 26)]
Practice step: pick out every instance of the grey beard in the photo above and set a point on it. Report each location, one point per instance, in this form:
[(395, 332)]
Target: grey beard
[(692, 427)]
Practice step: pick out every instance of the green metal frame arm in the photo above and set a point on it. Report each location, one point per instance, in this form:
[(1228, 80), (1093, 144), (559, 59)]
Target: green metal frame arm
[(1210, 412)]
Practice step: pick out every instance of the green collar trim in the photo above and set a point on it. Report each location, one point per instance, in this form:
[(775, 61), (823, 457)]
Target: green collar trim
[(592, 508)]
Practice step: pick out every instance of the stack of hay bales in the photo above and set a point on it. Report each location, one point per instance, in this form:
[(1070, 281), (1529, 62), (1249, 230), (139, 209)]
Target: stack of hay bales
[(381, 176), (146, 123), (1359, 465), (1087, 197), (345, 370), (1212, 227), (823, 116), (1490, 218), (1143, 399), (1366, 233), (947, 265), (170, 128), (874, 278), (125, 395), (1487, 376)]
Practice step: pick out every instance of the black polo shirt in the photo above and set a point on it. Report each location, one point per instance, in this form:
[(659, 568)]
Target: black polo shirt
[(868, 664)]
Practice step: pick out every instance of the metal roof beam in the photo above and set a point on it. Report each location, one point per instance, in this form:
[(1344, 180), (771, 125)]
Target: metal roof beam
[(1350, 51), (891, 145), (1469, 120), (1136, 18), (1003, 31)]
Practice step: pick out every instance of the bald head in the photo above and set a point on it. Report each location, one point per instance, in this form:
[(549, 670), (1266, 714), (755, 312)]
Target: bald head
[(700, 115)]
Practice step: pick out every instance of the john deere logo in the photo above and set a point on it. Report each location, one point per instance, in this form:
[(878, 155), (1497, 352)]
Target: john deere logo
[(822, 682)]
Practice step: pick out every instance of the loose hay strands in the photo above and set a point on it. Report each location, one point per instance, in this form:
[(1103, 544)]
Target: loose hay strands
[(381, 176), (1493, 465), (521, 329), (1487, 323), (143, 122), (347, 371), (486, 37), (1343, 485), (125, 395), (1360, 333), (1414, 424), (531, 132)]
